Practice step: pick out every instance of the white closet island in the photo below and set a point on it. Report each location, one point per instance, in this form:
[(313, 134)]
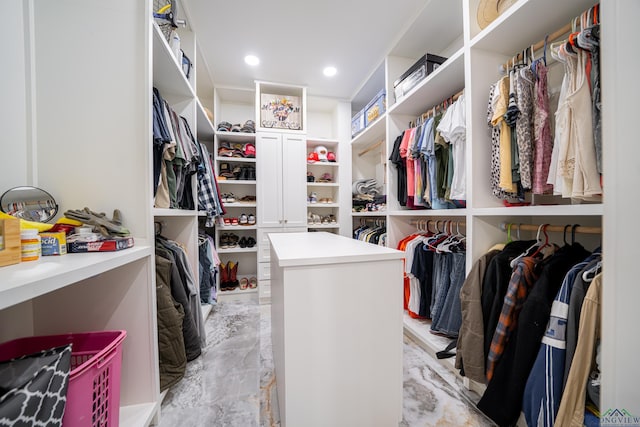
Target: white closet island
[(337, 330)]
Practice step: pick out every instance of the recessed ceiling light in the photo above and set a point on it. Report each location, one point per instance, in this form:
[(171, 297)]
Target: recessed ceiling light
[(330, 71), (251, 60)]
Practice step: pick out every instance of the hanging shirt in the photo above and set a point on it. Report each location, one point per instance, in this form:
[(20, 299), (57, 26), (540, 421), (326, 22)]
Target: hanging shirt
[(525, 82), (458, 137), (586, 179), (499, 110), (542, 134)]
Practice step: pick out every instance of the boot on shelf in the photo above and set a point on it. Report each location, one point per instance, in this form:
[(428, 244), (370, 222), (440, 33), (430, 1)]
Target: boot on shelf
[(233, 273), (224, 276)]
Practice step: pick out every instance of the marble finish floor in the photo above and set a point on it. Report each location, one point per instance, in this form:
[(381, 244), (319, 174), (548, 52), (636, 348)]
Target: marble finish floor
[(233, 382)]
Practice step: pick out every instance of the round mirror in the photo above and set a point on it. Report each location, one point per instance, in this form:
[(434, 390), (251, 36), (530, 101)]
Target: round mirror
[(29, 203)]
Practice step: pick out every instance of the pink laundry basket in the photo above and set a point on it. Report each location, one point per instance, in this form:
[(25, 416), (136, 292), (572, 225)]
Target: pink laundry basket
[(93, 396)]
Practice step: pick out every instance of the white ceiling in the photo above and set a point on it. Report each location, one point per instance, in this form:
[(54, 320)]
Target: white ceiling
[(296, 39)]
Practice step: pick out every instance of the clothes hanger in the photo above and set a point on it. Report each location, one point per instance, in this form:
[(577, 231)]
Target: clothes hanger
[(532, 249), (591, 273)]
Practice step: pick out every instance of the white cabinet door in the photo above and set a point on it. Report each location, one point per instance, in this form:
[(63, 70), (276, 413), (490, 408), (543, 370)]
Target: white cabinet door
[(269, 177), (294, 180)]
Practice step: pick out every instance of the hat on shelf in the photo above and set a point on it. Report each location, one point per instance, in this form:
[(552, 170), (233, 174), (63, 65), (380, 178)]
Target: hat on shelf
[(489, 10), (312, 157), (321, 151)]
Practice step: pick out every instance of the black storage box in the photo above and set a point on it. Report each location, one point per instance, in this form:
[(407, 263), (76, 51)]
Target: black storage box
[(416, 73)]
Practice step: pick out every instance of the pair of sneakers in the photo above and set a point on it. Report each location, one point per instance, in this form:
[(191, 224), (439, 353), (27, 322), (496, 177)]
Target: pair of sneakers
[(245, 219)]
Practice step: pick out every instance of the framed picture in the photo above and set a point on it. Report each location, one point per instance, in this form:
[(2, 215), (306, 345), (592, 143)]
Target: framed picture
[(280, 112)]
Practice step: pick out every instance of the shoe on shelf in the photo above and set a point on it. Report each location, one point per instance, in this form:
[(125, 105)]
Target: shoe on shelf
[(251, 173), (224, 241), (325, 220), (224, 276), (253, 283), (332, 219), (251, 242), (247, 199), (233, 240), (227, 221), (234, 221), (316, 219), (225, 171), (313, 197), (242, 242), (310, 218), (243, 219), (326, 177), (244, 283), (251, 219), (233, 273)]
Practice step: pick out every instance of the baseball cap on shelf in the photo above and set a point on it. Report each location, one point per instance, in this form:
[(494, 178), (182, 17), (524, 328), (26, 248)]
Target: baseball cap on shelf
[(312, 157), (321, 151), (331, 156)]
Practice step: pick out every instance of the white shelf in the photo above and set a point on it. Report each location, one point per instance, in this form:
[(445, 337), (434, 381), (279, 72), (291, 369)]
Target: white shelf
[(418, 329), (139, 415), (236, 182), (367, 213), (242, 137), (548, 16), (27, 280), (223, 159), (334, 164), (322, 184), (322, 205), (205, 127), (237, 250), (237, 227), (168, 77), (239, 205), (174, 212), (372, 133), (330, 142), (441, 84), (238, 291), (556, 210), (430, 212)]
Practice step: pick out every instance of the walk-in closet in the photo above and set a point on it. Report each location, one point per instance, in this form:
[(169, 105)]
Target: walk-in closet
[(311, 214)]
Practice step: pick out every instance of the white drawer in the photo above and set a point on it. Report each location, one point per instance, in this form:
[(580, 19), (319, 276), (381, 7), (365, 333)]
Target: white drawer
[(264, 246)]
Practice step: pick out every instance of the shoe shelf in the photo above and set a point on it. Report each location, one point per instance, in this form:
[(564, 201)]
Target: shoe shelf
[(237, 250), (239, 291), (236, 182), (240, 205), (323, 205), (237, 227), (223, 159)]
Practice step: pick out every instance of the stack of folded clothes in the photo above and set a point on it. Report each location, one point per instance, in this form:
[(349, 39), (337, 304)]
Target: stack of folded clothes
[(366, 196)]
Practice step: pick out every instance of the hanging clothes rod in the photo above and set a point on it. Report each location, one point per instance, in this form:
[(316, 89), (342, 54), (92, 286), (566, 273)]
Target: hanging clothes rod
[(441, 106), (557, 228), (551, 38), (370, 148)]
